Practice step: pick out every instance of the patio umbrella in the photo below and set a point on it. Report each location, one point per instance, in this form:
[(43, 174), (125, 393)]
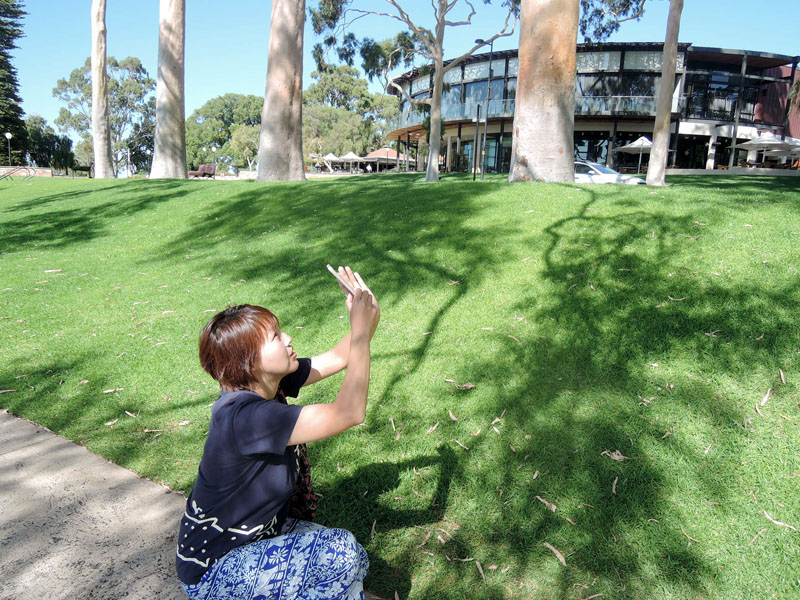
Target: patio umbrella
[(767, 142), (638, 146), (351, 157), (329, 158)]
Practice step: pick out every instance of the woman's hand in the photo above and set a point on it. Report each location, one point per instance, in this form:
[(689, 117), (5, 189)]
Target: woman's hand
[(368, 312)]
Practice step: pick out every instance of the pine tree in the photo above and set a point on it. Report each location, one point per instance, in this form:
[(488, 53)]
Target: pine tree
[(11, 121)]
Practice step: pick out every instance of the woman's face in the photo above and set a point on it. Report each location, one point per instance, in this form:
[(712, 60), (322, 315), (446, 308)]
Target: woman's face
[(277, 358)]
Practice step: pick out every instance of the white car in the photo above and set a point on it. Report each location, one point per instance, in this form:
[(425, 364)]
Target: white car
[(590, 172)]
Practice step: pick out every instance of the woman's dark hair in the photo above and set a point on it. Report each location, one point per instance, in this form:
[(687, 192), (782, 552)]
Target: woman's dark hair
[(231, 342)]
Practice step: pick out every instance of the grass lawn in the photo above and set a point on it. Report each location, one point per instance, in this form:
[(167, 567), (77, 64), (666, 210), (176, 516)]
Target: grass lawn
[(627, 348)]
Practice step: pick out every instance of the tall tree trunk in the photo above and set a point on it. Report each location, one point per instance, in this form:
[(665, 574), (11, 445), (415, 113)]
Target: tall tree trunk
[(435, 139), (169, 152), (101, 131), (280, 148), (658, 154), (544, 116)]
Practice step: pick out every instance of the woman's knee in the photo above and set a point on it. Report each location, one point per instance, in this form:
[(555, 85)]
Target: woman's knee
[(349, 551)]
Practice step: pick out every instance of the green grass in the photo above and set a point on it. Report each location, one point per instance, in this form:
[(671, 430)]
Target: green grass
[(589, 319)]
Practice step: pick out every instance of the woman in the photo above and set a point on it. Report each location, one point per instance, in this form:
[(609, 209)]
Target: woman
[(247, 531)]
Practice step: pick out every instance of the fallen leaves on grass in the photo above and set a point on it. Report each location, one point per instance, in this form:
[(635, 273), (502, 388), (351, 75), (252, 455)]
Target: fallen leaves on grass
[(460, 444), (110, 423), (616, 455), (549, 505), (558, 554), (130, 414), (453, 282), (757, 536), (432, 428), (614, 486), (766, 397), (7, 391), (461, 386), (778, 523), (783, 377), (480, 570), (688, 536), (112, 390), (452, 416)]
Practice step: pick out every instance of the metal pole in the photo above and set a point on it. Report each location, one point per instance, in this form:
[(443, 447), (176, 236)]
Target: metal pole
[(732, 157), (9, 151), (486, 116), (474, 144)]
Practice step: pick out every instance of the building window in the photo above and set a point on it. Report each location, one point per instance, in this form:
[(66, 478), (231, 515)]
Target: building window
[(511, 88), (590, 62), (637, 60), (513, 66), (453, 75), (475, 93), (478, 70)]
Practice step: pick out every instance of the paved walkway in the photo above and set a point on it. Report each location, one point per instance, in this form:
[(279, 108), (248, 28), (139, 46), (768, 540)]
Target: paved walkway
[(74, 525)]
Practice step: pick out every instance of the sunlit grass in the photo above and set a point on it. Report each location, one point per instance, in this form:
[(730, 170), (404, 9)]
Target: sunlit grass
[(651, 322)]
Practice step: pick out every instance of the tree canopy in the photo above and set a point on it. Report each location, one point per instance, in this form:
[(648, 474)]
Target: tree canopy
[(340, 115), (131, 105), (11, 14), (45, 147), (213, 124)]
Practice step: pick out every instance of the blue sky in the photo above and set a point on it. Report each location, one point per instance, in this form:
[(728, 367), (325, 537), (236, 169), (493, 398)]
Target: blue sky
[(226, 43)]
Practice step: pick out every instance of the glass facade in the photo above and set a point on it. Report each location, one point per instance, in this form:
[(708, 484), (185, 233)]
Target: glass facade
[(614, 84)]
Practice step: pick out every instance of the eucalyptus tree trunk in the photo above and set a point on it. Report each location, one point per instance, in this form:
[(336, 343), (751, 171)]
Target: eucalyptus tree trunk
[(544, 115), (435, 138), (101, 130), (280, 148), (660, 150), (169, 152)]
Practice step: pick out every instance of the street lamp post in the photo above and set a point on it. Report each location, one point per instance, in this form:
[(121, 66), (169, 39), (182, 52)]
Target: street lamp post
[(8, 137), (488, 100)]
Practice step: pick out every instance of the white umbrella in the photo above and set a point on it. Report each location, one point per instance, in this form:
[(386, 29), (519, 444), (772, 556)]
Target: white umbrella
[(638, 146), (768, 141), (331, 157), (351, 157)]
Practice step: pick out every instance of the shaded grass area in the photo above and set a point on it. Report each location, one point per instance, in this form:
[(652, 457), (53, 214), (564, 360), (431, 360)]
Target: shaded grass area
[(590, 319)]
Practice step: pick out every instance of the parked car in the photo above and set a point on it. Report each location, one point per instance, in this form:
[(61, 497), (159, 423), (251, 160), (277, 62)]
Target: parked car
[(591, 172)]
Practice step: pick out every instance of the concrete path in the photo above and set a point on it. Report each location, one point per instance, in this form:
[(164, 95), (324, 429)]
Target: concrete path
[(73, 525)]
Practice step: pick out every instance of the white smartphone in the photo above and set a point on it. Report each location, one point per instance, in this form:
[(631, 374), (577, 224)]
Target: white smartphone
[(346, 285)]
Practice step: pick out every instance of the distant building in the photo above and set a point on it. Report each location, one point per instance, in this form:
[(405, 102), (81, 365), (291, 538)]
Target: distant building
[(719, 95)]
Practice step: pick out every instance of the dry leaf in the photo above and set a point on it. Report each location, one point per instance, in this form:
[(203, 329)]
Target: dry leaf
[(757, 536), (536, 474), (83, 382), (7, 391), (110, 423), (616, 455), (778, 522), (372, 533), (183, 423), (425, 541), (477, 432), (391, 420), (112, 390), (614, 485), (558, 554), (690, 537), (514, 338), (766, 397), (506, 570), (549, 505), (480, 570), (130, 414), (54, 270), (433, 428), (452, 416), (460, 444), (759, 411), (453, 282), (783, 377)]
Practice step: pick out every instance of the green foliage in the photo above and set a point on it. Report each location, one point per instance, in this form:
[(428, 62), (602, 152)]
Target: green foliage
[(340, 115), (212, 126), (131, 106), (11, 14), (593, 322), (45, 147), (244, 145), (600, 18)]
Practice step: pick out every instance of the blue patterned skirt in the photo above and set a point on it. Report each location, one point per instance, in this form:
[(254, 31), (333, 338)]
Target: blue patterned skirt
[(305, 562)]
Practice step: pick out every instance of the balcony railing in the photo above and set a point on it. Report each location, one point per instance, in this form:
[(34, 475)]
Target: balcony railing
[(584, 106)]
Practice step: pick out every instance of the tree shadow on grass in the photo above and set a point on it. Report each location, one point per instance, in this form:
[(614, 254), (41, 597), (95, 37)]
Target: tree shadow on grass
[(65, 226)]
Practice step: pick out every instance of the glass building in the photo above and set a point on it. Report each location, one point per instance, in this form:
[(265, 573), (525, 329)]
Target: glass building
[(720, 95)]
